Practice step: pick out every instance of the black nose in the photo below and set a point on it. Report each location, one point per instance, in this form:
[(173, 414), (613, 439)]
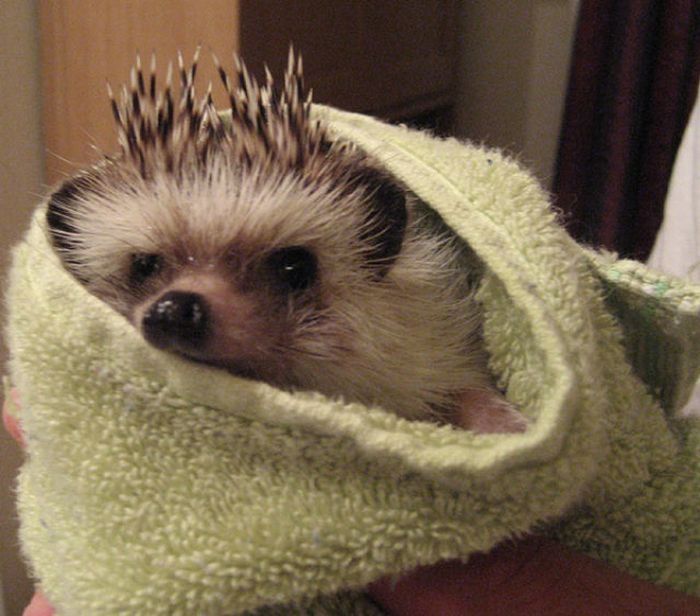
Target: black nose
[(177, 320)]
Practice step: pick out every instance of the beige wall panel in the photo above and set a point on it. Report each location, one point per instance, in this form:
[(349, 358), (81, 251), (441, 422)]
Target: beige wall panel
[(514, 61), (88, 42)]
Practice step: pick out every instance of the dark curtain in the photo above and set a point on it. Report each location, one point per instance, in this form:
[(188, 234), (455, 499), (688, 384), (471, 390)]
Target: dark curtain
[(633, 81)]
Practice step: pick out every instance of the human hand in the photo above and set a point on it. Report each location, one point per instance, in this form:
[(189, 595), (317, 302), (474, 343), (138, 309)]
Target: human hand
[(39, 606), (534, 575)]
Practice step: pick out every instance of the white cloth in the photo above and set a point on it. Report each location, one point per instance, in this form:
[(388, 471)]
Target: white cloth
[(677, 247)]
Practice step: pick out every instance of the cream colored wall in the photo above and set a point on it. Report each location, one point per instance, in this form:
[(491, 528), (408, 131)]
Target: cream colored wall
[(20, 184), (512, 77)]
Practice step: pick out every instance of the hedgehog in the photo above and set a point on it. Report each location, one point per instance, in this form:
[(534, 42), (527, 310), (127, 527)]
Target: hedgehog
[(256, 242)]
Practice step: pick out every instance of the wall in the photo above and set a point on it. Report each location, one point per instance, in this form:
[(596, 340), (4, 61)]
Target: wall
[(20, 186), (512, 77)]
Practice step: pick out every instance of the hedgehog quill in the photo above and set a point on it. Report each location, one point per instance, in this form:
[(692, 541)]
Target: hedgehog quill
[(258, 243)]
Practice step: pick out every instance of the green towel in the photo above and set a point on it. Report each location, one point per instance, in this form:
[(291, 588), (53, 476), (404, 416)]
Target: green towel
[(158, 486)]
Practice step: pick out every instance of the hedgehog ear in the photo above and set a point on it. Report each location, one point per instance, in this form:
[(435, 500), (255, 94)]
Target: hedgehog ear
[(387, 218), (62, 204), (60, 212)]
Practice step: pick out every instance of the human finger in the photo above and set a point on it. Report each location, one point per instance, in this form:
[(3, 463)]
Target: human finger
[(9, 420), (39, 606)]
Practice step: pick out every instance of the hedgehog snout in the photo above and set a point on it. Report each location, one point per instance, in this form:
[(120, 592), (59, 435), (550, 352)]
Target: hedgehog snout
[(177, 320)]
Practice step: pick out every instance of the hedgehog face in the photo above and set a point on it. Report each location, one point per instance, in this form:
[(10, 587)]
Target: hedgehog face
[(230, 242), (257, 243)]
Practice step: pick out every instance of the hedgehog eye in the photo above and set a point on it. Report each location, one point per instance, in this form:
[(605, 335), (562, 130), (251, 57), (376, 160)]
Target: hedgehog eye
[(293, 267), (143, 266)]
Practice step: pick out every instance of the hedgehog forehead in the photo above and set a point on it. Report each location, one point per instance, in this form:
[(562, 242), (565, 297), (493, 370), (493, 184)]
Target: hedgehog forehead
[(232, 209)]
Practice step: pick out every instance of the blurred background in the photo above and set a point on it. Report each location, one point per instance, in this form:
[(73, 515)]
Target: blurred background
[(593, 96)]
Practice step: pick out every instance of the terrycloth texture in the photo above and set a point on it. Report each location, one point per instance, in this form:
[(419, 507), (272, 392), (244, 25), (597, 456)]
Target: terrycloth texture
[(157, 486)]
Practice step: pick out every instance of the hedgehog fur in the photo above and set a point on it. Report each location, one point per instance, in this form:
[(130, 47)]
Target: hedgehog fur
[(314, 268)]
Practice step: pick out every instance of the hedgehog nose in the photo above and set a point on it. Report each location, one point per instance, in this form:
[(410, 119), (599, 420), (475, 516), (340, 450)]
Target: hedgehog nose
[(177, 320)]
